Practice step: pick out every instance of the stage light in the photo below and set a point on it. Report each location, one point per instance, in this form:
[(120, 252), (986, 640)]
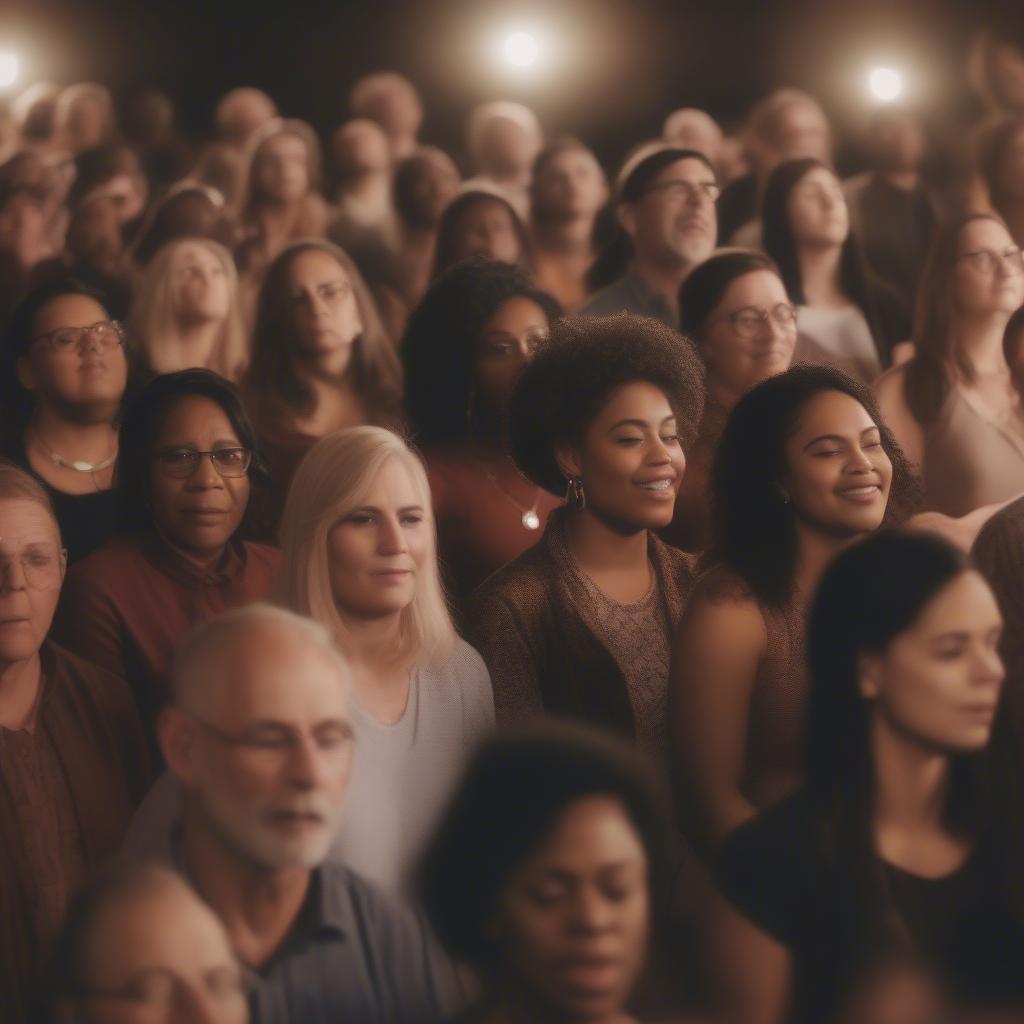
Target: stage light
[(9, 68), (521, 49), (886, 84)]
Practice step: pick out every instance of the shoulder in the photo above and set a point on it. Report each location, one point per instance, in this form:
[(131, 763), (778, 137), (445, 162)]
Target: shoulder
[(73, 670), (463, 672), (524, 582), (380, 919), (260, 555), (889, 385), (610, 299), (1000, 544), (103, 566)]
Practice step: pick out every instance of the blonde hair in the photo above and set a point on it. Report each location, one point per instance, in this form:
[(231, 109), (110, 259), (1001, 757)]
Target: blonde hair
[(331, 481), (154, 333)]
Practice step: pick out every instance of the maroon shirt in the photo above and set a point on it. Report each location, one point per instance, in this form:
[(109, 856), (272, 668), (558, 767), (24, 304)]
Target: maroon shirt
[(127, 606), (68, 787)]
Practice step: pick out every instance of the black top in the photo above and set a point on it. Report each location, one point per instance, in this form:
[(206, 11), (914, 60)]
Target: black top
[(776, 873), (86, 520)]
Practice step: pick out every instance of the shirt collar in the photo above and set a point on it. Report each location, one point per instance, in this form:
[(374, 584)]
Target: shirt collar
[(174, 564)]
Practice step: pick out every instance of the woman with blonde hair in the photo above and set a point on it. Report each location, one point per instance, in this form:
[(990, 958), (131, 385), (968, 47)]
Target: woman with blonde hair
[(360, 557), (321, 360), (186, 313)]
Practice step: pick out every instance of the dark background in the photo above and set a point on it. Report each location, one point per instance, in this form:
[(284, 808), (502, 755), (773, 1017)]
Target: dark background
[(618, 68)]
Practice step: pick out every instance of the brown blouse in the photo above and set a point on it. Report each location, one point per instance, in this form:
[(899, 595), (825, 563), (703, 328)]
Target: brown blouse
[(127, 605), (551, 646), (67, 791)]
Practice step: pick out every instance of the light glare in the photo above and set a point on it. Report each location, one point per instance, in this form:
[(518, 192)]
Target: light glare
[(9, 68), (521, 49), (886, 84)]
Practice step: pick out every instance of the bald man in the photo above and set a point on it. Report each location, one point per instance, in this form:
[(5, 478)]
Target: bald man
[(392, 101), (691, 128), (241, 113), (260, 743)]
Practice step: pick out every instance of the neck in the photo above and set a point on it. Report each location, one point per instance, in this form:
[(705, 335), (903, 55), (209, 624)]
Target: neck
[(513, 1005), (19, 692), (815, 551), (372, 644), (905, 179), (981, 340), (196, 341), (203, 560), (330, 371), (371, 187), (599, 547), (910, 782), (664, 278), (90, 441), (566, 238), (819, 275), (257, 905)]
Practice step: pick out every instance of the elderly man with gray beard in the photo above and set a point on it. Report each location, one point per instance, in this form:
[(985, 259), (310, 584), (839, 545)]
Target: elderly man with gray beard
[(260, 742)]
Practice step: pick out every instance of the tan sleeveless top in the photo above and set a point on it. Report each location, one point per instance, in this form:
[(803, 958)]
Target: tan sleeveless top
[(969, 459)]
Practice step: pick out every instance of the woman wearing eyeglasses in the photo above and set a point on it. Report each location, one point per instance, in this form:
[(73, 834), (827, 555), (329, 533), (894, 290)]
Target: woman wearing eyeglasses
[(186, 469), (735, 309), (953, 407), (848, 319), (63, 374)]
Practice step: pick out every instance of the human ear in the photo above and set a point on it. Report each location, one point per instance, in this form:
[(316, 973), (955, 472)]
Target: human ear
[(569, 462), (626, 216), (23, 370), (175, 732), (869, 675)]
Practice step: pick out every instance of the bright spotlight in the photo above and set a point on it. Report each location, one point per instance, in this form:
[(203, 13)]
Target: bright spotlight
[(521, 49), (886, 84), (9, 68)]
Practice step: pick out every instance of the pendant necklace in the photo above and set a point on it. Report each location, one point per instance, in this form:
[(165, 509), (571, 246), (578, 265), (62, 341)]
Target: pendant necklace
[(78, 465), (529, 517)]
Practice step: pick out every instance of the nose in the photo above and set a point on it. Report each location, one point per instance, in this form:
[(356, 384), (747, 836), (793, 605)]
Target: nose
[(205, 475), (391, 539), (12, 575), (591, 912), (304, 764), (991, 670), (859, 461), (195, 1006), (658, 452)]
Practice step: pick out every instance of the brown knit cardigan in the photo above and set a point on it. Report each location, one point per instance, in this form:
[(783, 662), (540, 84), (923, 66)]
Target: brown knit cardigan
[(544, 652)]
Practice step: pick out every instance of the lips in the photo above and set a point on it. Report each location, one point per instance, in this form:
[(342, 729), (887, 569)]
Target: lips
[(864, 494), (590, 974)]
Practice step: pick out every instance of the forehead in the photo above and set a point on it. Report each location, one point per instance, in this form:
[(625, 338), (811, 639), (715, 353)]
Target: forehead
[(275, 674), (966, 602), (315, 263), (194, 252), (573, 156), (69, 311), (635, 400), (517, 309), (832, 412), (984, 232), (686, 169), (24, 522), (195, 415), (393, 484), (820, 177), (590, 832), (287, 143), (757, 288)]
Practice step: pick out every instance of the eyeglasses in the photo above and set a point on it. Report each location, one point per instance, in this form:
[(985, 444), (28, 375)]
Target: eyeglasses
[(750, 320), (985, 261), (183, 462), (105, 333), (330, 292), (160, 989), (688, 191), (40, 569)]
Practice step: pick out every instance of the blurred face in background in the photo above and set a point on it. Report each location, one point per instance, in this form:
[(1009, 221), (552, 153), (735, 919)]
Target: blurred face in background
[(281, 169), (202, 291)]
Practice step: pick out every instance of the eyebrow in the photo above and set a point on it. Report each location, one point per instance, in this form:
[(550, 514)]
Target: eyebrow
[(839, 437), (375, 508), (642, 424)]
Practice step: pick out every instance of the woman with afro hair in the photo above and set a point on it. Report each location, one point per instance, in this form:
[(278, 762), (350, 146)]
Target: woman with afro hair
[(465, 345), (581, 624)]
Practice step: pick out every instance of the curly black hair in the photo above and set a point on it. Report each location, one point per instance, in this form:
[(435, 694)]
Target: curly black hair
[(754, 529), (512, 795), (439, 342), (561, 392)]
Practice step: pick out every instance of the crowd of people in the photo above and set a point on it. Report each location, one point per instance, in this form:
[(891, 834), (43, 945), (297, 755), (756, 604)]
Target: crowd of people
[(481, 588)]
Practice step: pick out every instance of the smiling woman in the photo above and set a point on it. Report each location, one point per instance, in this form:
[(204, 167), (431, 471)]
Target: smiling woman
[(188, 461), (580, 624)]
